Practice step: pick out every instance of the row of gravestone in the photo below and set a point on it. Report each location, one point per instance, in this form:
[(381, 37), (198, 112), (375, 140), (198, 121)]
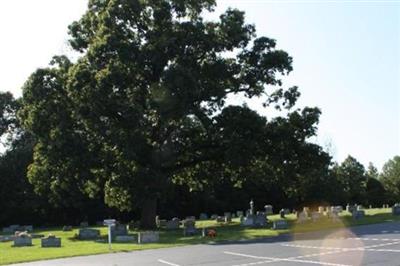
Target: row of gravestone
[(13, 228), (22, 239), (120, 234)]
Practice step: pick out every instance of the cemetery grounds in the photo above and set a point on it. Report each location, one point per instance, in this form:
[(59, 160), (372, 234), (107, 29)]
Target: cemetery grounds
[(225, 232)]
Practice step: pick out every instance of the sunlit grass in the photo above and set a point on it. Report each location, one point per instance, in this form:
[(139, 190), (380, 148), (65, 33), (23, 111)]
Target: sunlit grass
[(232, 231)]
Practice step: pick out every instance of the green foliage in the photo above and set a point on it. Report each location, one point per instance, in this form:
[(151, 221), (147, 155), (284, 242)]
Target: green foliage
[(351, 175), (144, 106), (390, 178)]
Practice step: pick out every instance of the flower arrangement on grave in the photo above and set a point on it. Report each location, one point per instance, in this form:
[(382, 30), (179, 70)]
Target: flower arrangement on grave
[(22, 234), (212, 233)]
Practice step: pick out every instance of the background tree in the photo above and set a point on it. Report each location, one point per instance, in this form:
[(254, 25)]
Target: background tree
[(351, 175), (390, 178)]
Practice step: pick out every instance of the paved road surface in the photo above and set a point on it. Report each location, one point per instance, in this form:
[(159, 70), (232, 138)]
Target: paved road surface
[(363, 245)]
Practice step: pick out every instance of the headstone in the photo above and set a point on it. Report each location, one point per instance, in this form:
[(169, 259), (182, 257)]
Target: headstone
[(148, 237), (287, 211), (360, 208), (321, 209), (248, 220), (162, 223), (8, 230), (302, 217), (358, 214), (88, 233), (227, 214), (338, 209), (173, 224), (203, 216), (51, 242), (239, 213), (11, 229), (315, 216), (350, 208), (125, 239), (251, 210), (268, 209), (396, 209), (22, 239), (334, 217), (280, 225), (28, 228), (119, 230), (260, 219), (67, 228), (227, 217), (306, 210), (84, 224), (193, 218), (6, 238), (189, 228), (214, 216), (220, 219), (282, 213)]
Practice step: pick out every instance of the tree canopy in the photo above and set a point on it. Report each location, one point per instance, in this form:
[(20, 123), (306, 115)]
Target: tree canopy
[(144, 110)]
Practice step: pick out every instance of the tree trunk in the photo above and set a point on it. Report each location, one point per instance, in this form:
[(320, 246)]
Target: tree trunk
[(149, 211)]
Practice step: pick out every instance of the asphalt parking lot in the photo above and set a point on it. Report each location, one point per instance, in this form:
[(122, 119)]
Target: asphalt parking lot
[(364, 245)]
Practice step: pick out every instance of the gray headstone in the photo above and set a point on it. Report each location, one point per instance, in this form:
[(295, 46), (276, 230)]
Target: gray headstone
[(119, 230), (22, 241), (260, 219), (173, 224), (239, 213), (315, 216), (88, 233), (220, 219), (358, 214), (51, 242), (125, 239), (148, 237), (84, 224), (67, 228), (189, 227), (282, 213), (251, 210), (6, 238), (214, 216), (248, 220), (280, 225), (203, 216), (268, 209), (396, 209), (350, 208), (302, 217)]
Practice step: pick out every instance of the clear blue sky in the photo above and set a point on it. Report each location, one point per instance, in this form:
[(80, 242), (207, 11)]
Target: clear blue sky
[(346, 61)]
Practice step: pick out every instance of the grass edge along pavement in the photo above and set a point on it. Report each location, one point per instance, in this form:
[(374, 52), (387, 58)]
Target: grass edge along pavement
[(230, 232)]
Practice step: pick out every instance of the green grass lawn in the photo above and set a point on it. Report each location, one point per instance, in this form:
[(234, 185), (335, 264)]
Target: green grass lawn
[(233, 231)]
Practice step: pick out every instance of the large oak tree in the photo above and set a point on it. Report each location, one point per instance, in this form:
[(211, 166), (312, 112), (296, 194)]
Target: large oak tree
[(145, 107)]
